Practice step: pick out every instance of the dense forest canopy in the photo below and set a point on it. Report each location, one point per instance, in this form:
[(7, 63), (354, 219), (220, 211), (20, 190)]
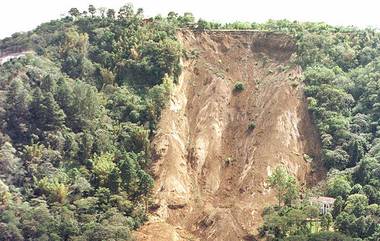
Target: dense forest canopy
[(77, 115)]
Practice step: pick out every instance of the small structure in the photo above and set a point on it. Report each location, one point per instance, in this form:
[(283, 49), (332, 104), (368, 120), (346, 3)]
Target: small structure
[(325, 204)]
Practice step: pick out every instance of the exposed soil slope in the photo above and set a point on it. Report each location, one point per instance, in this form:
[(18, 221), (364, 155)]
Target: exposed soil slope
[(210, 168)]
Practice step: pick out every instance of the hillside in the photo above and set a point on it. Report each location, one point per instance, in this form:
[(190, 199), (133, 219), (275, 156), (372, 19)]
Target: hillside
[(113, 125), (210, 168)]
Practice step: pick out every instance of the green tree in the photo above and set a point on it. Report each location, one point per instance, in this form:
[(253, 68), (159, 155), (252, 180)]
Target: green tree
[(203, 25), (285, 185), (17, 113), (49, 84), (338, 206), (329, 236), (356, 204), (92, 10), (111, 13), (103, 167), (45, 112), (126, 12), (338, 186), (73, 51), (54, 116), (326, 221), (74, 12), (11, 168)]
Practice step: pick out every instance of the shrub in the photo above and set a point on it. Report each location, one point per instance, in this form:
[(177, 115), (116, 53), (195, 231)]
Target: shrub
[(239, 87), (251, 126)]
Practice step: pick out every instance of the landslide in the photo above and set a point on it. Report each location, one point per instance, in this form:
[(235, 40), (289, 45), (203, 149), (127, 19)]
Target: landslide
[(210, 165)]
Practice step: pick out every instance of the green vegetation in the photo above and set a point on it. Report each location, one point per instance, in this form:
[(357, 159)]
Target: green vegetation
[(251, 126), (285, 185), (239, 87), (291, 218)]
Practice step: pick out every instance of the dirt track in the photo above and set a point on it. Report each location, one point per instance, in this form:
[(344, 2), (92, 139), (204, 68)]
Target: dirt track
[(210, 168)]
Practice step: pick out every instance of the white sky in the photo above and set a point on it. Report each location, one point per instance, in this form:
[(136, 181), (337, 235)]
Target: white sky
[(23, 15)]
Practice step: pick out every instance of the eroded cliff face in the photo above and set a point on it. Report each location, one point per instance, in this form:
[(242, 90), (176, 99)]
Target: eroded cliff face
[(210, 168)]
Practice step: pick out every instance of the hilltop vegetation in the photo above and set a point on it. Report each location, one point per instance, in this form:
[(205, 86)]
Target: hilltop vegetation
[(77, 116)]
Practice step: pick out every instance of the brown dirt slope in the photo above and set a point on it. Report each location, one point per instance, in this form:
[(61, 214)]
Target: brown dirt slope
[(210, 168)]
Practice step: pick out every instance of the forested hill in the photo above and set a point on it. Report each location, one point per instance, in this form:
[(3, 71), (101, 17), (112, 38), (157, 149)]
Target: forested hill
[(77, 115), (78, 112)]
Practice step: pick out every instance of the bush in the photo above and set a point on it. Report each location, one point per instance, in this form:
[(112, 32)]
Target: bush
[(239, 87), (251, 126)]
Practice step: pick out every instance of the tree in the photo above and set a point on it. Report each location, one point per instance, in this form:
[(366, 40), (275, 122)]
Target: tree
[(292, 190), (103, 167), (326, 221), (356, 218), (36, 112), (364, 173), (37, 221), (73, 51), (17, 113), (128, 170), (158, 97), (285, 185), (338, 206), (203, 25), (113, 226), (289, 222), (74, 12), (10, 165), (145, 183), (328, 236), (45, 112), (338, 186), (85, 146), (111, 13), (133, 138), (92, 10), (67, 223), (187, 19), (337, 158), (54, 116), (126, 12), (102, 11), (54, 188), (356, 204), (85, 108), (49, 84), (172, 16)]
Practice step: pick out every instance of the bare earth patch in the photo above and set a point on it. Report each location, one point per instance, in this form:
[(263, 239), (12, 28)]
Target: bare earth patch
[(210, 168)]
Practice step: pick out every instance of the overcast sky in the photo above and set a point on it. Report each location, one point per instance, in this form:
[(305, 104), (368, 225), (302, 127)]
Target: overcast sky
[(24, 15)]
